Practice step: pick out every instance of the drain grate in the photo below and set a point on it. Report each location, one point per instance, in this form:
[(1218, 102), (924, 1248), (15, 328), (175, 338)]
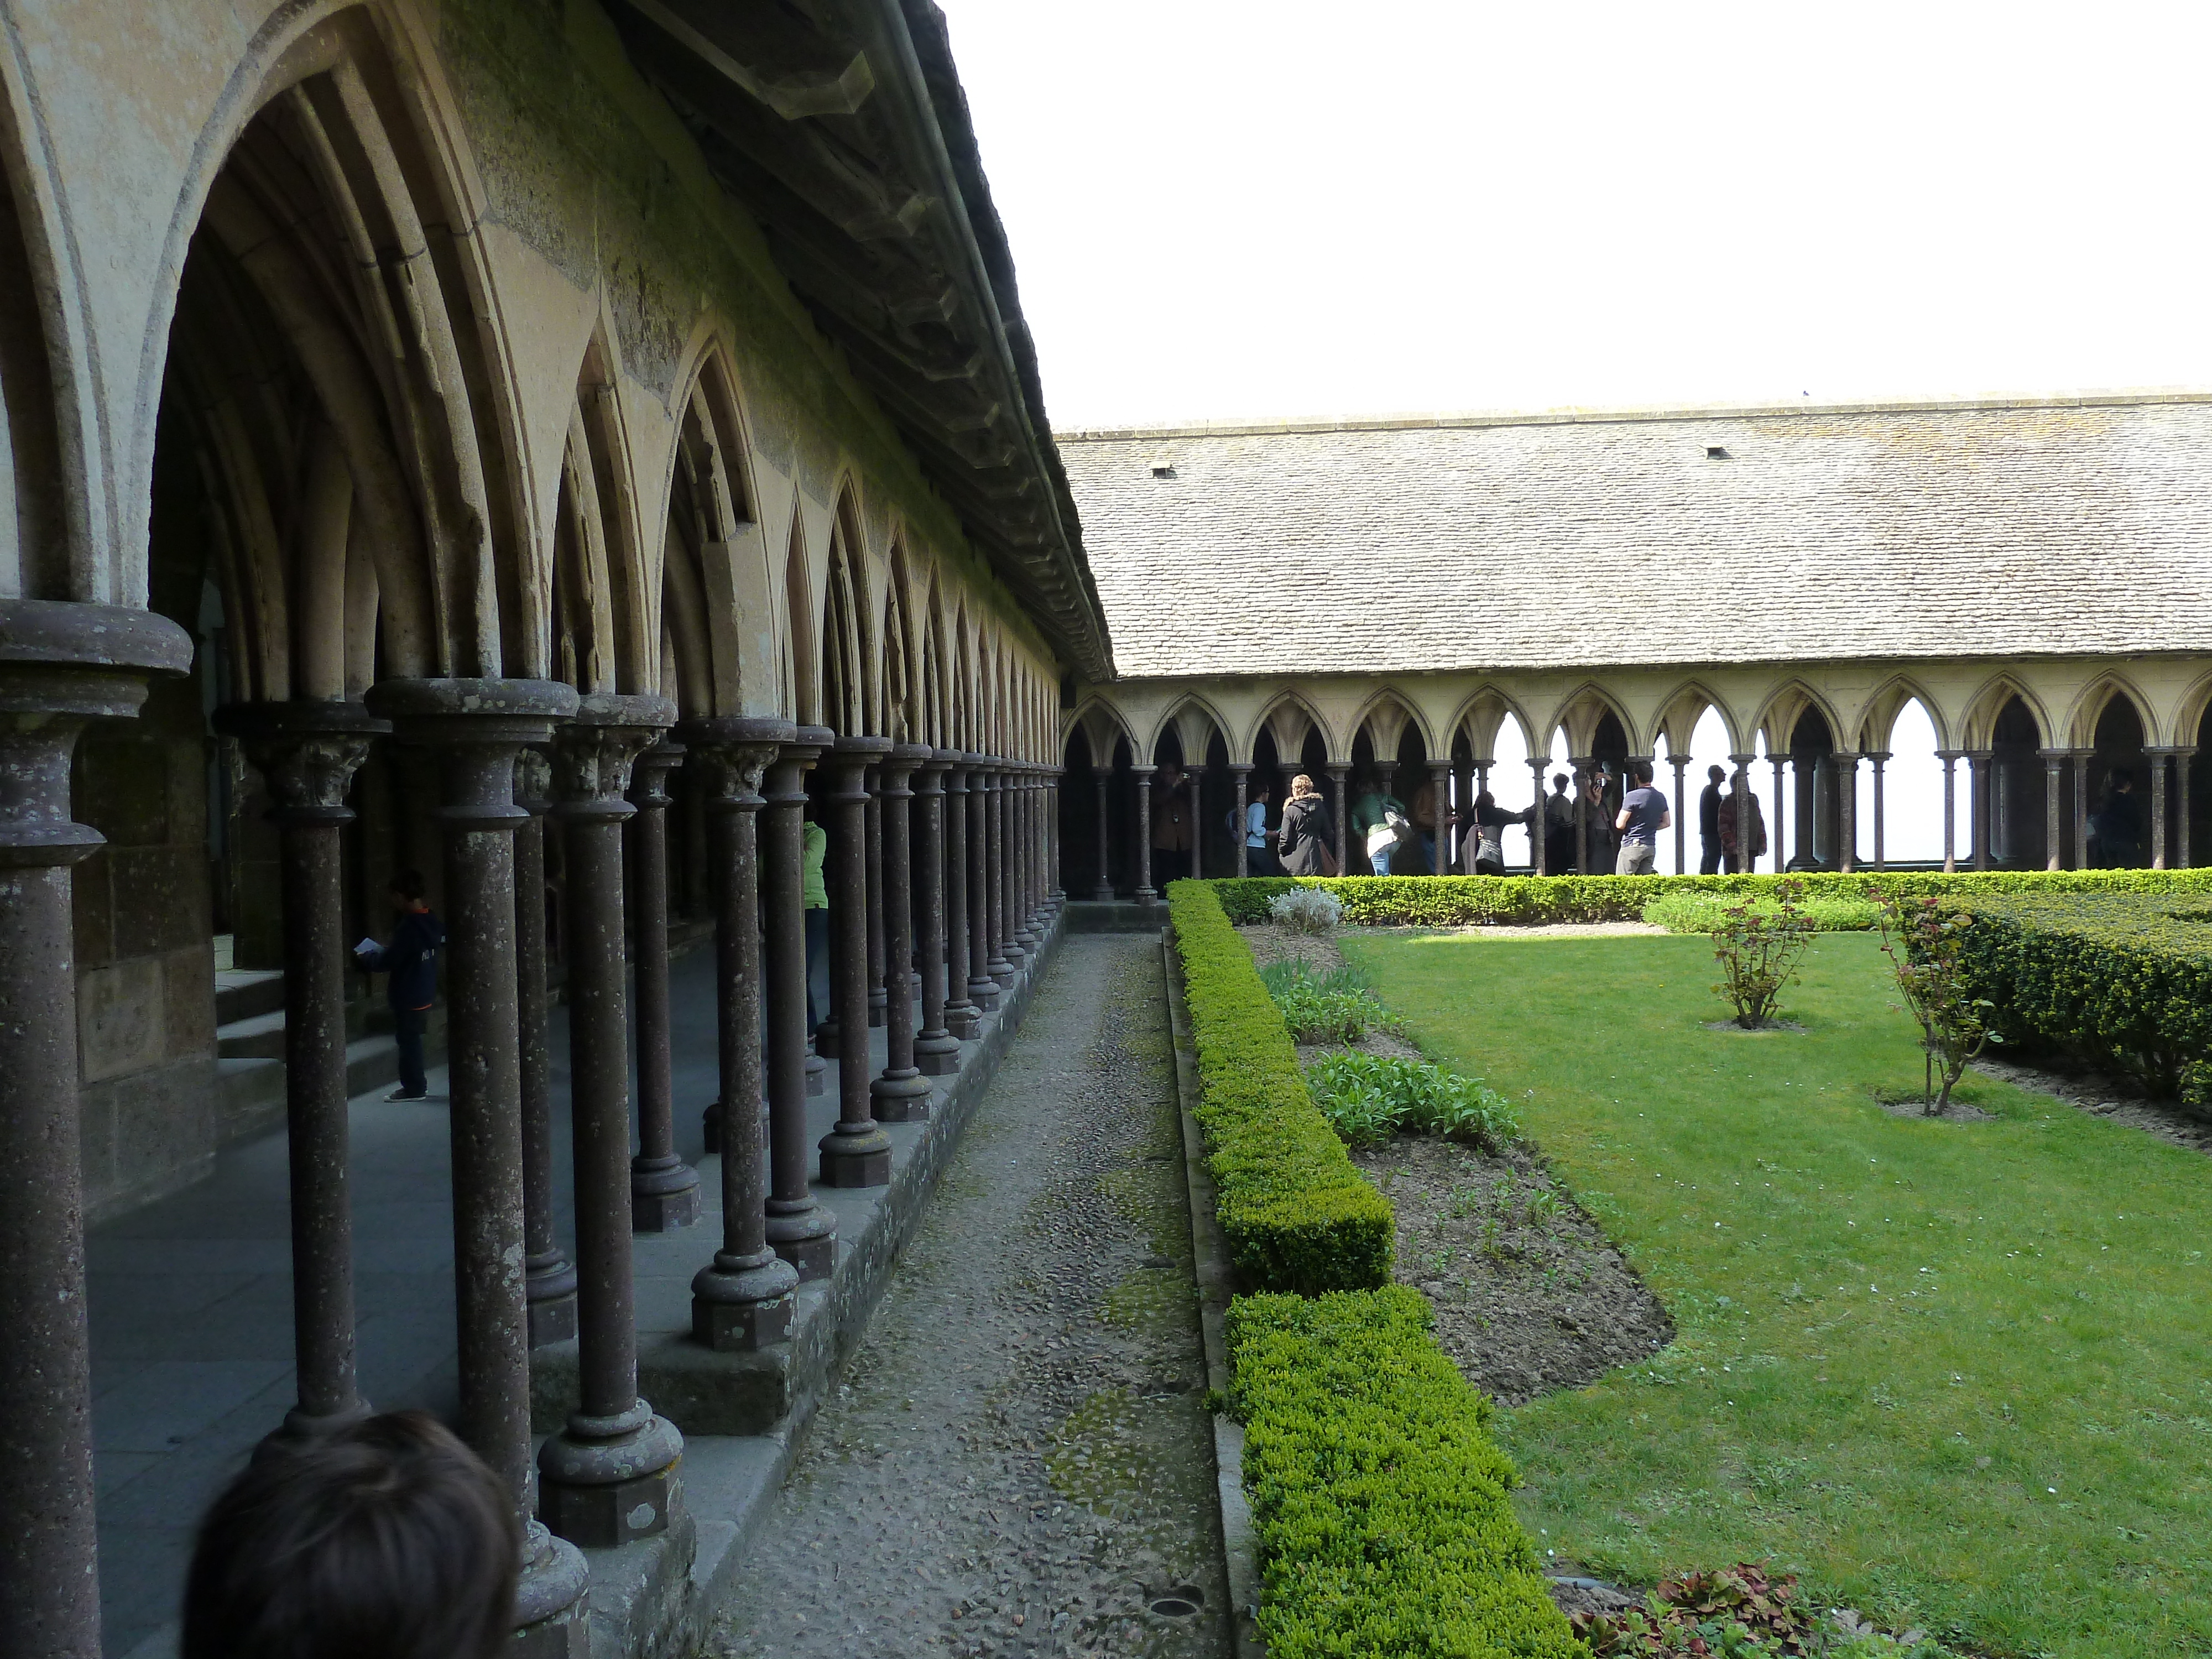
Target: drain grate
[(1184, 1601)]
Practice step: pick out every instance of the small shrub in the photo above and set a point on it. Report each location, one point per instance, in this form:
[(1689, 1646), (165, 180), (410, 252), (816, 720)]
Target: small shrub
[(1738, 1610), (1332, 1008), (1707, 912), (1925, 947), (1758, 951), (1368, 1098), (1308, 910)]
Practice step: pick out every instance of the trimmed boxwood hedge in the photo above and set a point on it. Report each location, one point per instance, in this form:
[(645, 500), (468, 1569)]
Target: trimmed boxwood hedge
[(1468, 900), (1378, 1498), (2114, 980), (1296, 1215)]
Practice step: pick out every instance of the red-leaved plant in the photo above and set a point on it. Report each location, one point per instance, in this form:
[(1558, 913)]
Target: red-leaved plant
[(1709, 1616)]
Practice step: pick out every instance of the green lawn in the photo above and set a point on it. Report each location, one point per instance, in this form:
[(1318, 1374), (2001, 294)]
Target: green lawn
[(1959, 1373)]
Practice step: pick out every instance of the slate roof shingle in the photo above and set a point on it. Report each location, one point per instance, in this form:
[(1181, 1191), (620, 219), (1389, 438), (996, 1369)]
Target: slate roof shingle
[(1425, 545)]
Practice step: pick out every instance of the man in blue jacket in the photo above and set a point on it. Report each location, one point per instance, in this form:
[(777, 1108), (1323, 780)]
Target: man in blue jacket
[(411, 960)]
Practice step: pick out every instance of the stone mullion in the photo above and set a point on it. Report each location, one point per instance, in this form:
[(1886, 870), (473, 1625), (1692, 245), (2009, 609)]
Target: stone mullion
[(1680, 763), (936, 1050), (1745, 863), (2081, 804), (1977, 805), (799, 1228), (1786, 791), (2054, 791), (1055, 894), (2158, 837), (1949, 757), (664, 1188), (1880, 759), (901, 1094), (2182, 755), (1581, 769), (1446, 819), (856, 1152), (743, 1298), (1242, 776), (549, 1277), (1845, 764), (963, 1018), (1021, 860), (982, 984), (477, 728), (1103, 777), (308, 754), (878, 988), (1145, 895), (1539, 820), (1005, 861), (1005, 962)]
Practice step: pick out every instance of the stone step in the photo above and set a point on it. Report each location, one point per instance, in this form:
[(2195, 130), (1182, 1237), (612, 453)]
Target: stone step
[(242, 994), (250, 1089), (257, 1036)]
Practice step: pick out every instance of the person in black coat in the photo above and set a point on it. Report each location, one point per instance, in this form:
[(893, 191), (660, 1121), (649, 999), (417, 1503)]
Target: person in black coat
[(1709, 823), (1306, 832), (411, 957), (2115, 831)]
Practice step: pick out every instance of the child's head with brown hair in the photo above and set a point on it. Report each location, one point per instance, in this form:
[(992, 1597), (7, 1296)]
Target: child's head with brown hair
[(1303, 785), (386, 1540)]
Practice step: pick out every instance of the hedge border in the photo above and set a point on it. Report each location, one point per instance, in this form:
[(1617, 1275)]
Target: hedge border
[(1378, 1498), (1296, 1215)]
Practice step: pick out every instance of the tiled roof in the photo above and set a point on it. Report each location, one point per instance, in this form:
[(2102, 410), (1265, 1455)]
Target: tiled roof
[(1442, 544)]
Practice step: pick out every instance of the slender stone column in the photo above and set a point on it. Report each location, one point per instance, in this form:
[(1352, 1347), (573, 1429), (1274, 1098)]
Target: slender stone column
[(1740, 783), (1879, 756), (982, 986), (549, 1277), (2081, 814), (799, 1228), (1242, 777), (61, 666), (856, 1153), (1977, 785), (1581, 765), (963, 1018), (1006, 957), (1338, 776), (901, 1095), (1846, 764), (1949, 756), (477, 729), (2157, 758), (1440, 788), (664, 1189), (1021, 862), (1103, 777), (1191, 775), (1786, 792), (2183, 754), (2054, 791), (742, 1299), (936, 1050), (1055, 894), (1538, 765), (1040, 865), (307, 753), (606, 1478), (878, 991)]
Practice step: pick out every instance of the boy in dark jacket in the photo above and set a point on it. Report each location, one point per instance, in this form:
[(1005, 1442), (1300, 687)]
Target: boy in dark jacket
[(411, 959)]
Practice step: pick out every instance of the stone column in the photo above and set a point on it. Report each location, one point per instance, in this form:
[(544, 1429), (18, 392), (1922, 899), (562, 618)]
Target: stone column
[(1785, 807), (1144, 893), (1739, 782), (2182, 755), (1006, 956), (1680, 763), (1055, 895), (307, 753), (982, 984), (1977, 807), (1021, 860), (2157, 758), (1337, 777), (664, 1189), (477, 729), (963, 1018), (800, 1230), (1192, 774), (606, 1478), (1846, 764), (1581, 765), (1950, 810), (1538, 765), (2081, 814), (61, 666), (549, 1277), (1241, 777), (2054, 790), (901, 1095), (743, 1298), (1440, 786), (1879, 756), (936, 1050), (855, 1153), (878, 991), (1103, 777)]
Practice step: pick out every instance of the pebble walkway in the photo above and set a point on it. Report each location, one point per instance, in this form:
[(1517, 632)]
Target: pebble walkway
[(1019, 1460)]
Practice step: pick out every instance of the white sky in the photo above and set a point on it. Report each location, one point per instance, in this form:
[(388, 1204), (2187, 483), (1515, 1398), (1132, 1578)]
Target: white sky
[(1284, 209)]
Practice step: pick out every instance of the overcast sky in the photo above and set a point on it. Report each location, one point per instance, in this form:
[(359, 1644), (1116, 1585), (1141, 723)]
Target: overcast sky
[(1226, 209)]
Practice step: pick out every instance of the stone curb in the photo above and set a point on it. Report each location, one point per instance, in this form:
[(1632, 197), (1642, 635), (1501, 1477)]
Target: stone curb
[(1217, 1283)]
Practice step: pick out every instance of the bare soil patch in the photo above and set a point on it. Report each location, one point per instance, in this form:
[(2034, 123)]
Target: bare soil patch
[(1759, 1030), (2101, 1096), (1530, 1295), (1272, 944), (1955, 1110)]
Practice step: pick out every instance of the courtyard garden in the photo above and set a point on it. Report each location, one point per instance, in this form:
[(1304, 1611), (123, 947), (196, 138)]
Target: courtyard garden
[(1737, 1298)]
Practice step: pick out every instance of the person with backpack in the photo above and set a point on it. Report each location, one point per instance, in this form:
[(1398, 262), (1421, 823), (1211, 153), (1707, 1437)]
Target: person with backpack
[(411, 957), (1379, 822), (1307, 830), (1483, 849)]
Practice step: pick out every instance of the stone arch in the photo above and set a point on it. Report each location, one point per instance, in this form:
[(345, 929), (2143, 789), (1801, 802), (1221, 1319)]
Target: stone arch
[(2111, 686), (718, 599), (1681, 709), (1482, 717), (1103, 727), (1785, 706), (1389, 712), (1581, 712), (902, 716), (849, 680), (1888, 702), (1288, 716), (934, 686), (1990, 701), (964, 684), (603, 610), (802, 656), (1195, 720), (50, 516)]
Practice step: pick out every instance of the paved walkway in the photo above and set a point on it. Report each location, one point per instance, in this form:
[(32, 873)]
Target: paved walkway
[(1019, 1461)]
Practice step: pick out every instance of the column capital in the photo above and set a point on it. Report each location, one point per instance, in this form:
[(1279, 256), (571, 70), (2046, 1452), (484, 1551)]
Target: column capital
[(479, 726), (734, 752), (648, 774), (2160, 750), (1850, 754), (2057, 756), (1877, 755), (1144, 771), (307, 753), (1238, 768), (1678, 761), (1947, 755), (1746, 760), (594, 752)]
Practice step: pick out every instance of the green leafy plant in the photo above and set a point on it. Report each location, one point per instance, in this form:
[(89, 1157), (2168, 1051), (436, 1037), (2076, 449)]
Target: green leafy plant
[(1707, 912), (1926, 947), (1310, 910), (1738, 1610), (1380, 1506), (1335, 1006), (1295, 1213), (1758, 950), (1369, 1097)]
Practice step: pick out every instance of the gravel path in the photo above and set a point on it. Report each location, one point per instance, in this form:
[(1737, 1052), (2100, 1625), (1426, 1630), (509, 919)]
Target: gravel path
[(1019, 1460)]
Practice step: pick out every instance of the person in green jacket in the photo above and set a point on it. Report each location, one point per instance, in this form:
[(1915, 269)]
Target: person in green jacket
[(814, 901), (1370, 805)]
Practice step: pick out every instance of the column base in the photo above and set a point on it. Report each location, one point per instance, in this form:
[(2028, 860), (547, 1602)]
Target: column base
[(807, 1238), (816, 1070), (710, 1127), (550, 1290), (984, 993), (664, 1195), (861, 1158), (301, 1427), (549, 1618), (937, 1056), (739, 1304), (964, 1021), (1004, 976), (877, 1003), (1145, 896), (893, 1098), (1101, 895), (605, 1481)]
